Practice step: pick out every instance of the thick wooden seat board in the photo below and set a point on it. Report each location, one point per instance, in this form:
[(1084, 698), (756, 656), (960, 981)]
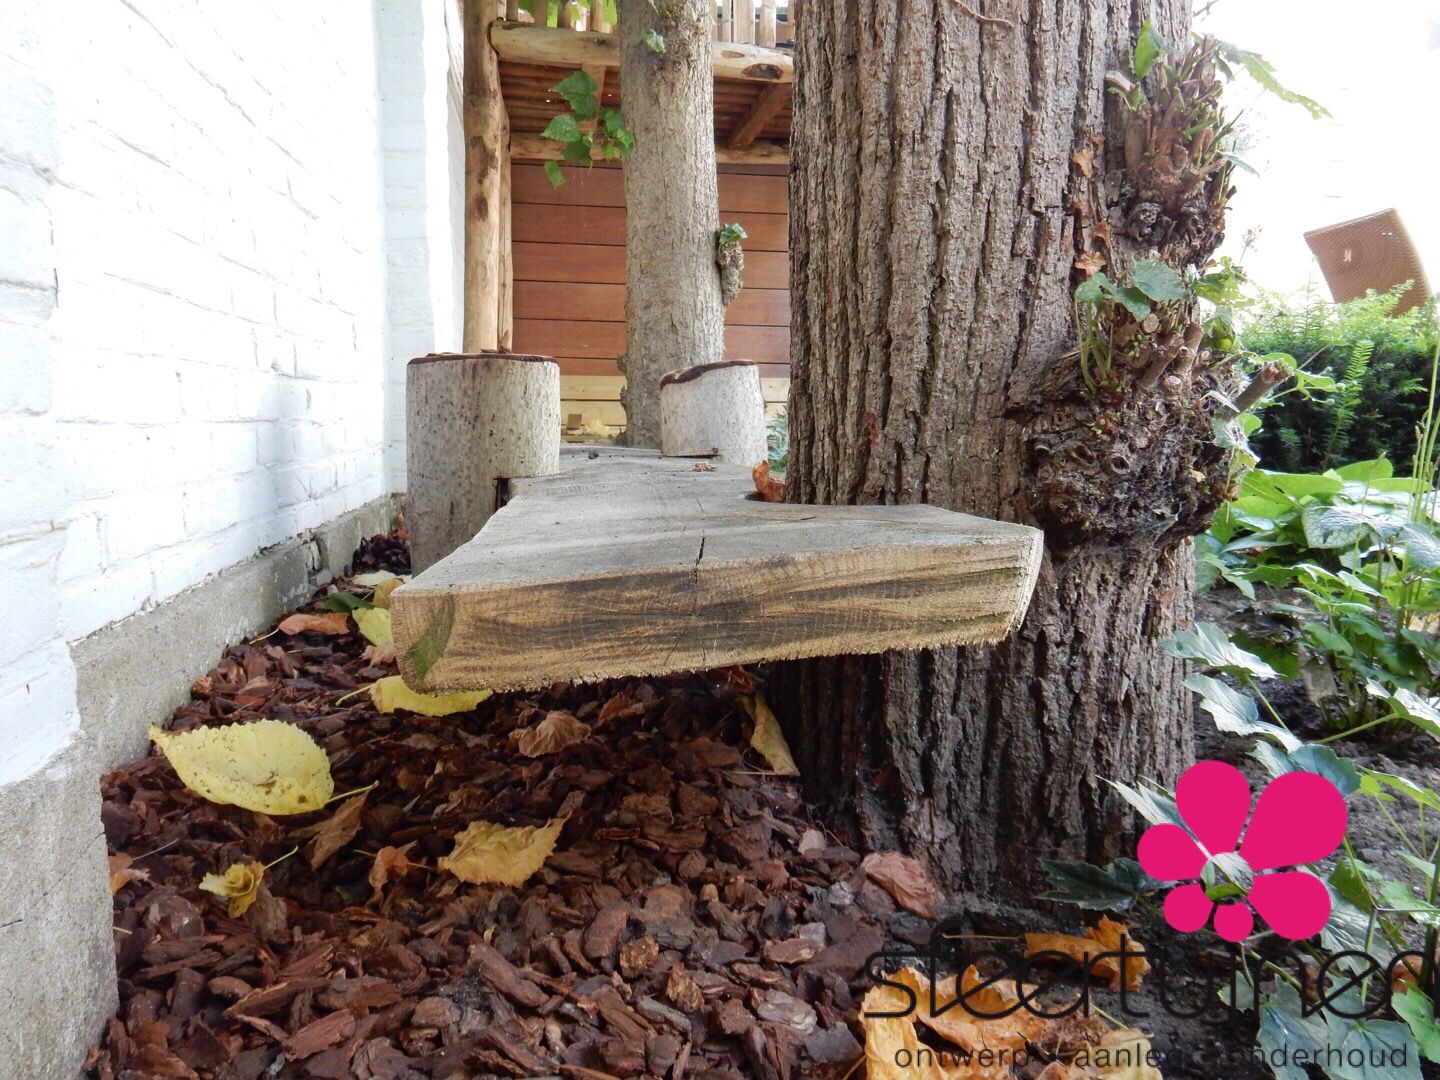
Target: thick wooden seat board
[(631, 564)]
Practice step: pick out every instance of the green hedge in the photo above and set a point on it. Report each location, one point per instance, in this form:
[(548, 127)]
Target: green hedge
[(1382, 361)]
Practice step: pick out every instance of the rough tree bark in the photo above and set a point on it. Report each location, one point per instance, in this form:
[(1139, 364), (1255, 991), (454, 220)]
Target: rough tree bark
[(948, 170), (673, 313)]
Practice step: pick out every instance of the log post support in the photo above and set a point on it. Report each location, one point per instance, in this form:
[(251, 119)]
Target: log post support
[(472, 420), (487, 197), (714, 409)]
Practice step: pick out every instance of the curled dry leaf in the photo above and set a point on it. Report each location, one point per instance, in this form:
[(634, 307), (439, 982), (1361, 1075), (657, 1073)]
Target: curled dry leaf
[(122, 873), (268, 766), (374, 623), (904, 879), (1090, 263), (1105, 937), (767, 739), (240, 883), (375, 578), (379, 655), (331, 622), (558, 730), (766, 486), (390, 865), (338, 831), (391, 693), (486, 853)]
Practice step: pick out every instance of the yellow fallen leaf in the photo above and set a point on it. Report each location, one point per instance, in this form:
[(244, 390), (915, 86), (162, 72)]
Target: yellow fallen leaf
[(122, 873), (558, 730), (595, 426), (486, 853), (391, 693), (892, 1045), (331, 622), (374, 623), (381, 599), (268, 766), (374, 579), (767, 738), (240, 883)]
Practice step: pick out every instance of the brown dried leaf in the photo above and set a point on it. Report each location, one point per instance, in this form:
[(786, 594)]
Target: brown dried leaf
[(1104, 937), (122, 874), (390, 865), (1090, 263), (338, 831), (331, 622), (766, 486), (904, 879), (558, 730)]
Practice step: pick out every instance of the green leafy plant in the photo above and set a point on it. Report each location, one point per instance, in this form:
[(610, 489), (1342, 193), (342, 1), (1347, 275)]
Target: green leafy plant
[(1152, 298), (777, 440), (1370, 906), (586, 126), (1382, 404)]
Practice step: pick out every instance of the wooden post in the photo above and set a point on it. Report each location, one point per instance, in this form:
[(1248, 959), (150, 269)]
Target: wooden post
[(745, 21), (487, 137), (765, 33), (471, 420), (724, 23), (512, 10), (598, 22), (714, 409)]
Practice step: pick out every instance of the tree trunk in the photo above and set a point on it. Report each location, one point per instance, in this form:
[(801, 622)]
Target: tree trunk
[(673, 314), (947, 172)]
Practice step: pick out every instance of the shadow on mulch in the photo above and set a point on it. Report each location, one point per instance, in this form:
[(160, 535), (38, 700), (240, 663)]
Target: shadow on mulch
[(693, 922)]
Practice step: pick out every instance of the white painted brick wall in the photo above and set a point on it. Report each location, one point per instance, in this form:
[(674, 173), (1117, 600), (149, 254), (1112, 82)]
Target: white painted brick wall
[(209, 214)]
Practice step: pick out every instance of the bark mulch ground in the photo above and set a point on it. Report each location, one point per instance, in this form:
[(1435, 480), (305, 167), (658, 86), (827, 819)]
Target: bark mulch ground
[(691, 922)]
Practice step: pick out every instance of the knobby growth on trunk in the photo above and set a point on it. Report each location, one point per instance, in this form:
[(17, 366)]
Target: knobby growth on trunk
[(954, 180), (674, 316)]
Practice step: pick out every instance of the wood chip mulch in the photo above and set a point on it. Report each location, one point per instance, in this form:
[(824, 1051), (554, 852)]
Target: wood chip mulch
[(691, 923)]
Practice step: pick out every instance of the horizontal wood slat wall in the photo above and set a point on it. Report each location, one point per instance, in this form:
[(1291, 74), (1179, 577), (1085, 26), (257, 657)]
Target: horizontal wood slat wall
[(569, 259)]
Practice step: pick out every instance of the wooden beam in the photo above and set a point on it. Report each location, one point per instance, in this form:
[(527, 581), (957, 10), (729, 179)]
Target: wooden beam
[(631, 564), (533, 147), (487, 131), (571, 49), (772, 99)]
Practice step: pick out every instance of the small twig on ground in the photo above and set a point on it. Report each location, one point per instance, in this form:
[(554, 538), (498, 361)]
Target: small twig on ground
[(987, 20)]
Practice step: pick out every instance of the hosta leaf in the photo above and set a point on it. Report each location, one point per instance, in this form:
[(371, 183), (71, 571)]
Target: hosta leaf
[(268, 766), (1418, 1011), (1320, 760), (1209, 644), (1113, 888), (1237, 713)]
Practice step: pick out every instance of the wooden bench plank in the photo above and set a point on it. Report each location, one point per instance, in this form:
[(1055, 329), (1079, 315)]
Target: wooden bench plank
[(630, 564)]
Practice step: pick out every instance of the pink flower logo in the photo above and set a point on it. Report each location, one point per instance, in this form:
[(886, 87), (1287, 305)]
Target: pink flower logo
[(1299, 818)]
